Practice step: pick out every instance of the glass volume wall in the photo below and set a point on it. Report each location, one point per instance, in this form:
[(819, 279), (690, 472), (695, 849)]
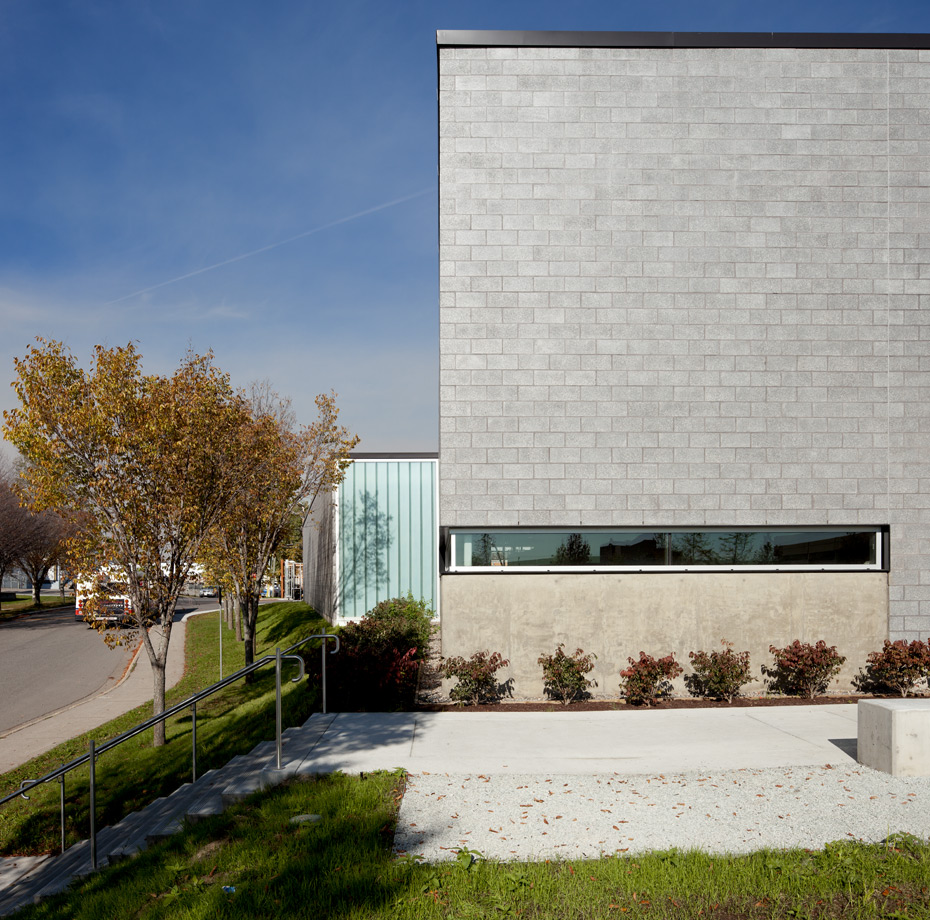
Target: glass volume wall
[(385, 533)]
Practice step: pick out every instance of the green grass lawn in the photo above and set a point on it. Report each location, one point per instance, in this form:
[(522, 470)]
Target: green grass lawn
[(23, 604), (134, 774), (253, 862)]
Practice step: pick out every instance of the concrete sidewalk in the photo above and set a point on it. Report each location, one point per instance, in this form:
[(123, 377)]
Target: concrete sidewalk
[(590, 742), (23, 743), (558, 785)]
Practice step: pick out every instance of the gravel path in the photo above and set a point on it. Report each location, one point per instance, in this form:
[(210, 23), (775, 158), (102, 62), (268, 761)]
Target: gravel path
[(533, 817)]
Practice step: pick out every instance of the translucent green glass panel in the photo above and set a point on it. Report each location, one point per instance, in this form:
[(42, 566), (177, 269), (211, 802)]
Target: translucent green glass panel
[(388, 534)]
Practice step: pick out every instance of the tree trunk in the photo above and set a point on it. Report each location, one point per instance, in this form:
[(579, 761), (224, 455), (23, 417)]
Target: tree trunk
[(158, 660), (248, 635), (158, 701), (238, 615), (37, 587), (253, 613)]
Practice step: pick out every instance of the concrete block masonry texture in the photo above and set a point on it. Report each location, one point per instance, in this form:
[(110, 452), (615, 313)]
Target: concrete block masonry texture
[(691, 285)]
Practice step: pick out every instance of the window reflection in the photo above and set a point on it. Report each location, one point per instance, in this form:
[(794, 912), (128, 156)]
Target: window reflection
[(648, 549), (645, 549)]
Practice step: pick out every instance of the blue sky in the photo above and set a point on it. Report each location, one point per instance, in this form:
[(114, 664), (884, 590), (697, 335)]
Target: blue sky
[(260, 179)]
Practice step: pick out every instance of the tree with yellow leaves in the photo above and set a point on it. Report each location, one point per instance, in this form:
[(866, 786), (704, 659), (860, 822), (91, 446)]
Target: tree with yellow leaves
[(151, 460), (298, 463)]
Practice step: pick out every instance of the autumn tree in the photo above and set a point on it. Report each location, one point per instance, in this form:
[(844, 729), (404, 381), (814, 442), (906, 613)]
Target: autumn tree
[(47, 536), (298, 463), (14, 520), (44, 535), (153, 461)]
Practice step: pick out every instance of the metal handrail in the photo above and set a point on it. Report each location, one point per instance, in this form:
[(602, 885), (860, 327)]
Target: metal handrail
[(190, 703)]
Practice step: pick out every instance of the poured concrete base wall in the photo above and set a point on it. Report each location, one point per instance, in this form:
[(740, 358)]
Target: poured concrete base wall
[(617, 616)]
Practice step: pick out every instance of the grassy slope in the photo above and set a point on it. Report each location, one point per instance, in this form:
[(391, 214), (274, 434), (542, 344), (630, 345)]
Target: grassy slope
[(134, 774), (342, 867)]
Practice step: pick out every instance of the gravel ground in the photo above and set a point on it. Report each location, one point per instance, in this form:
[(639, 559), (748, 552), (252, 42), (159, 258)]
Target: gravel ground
[(532, 817)]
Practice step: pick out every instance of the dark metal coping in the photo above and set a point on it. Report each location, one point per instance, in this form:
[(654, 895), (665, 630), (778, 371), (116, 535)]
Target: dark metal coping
[(392, 455), (454, 38)]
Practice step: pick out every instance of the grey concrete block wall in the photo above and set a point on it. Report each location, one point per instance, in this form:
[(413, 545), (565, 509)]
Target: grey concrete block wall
[(688, 286)]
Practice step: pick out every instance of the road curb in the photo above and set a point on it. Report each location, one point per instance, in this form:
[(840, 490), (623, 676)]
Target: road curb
[(100, 693)]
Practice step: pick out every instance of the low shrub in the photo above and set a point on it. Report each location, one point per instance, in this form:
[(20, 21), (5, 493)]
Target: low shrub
[(718, 675), (477, 678), (564, 675), (408, 617), (802, 669), (379, 658), (897, 668), (645, 681)]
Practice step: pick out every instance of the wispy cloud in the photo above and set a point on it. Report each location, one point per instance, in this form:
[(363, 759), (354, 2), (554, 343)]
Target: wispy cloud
[(254, 252)]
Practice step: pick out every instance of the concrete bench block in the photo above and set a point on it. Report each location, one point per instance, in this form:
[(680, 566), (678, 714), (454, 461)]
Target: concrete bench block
[(894, 736)]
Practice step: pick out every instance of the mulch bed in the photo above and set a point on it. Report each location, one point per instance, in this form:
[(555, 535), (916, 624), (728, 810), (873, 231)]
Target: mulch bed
[(430, 699), (620, 705)]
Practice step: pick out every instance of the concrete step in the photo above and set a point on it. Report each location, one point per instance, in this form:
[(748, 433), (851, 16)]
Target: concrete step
[(171, 819), (73, 863), (297, 754), (317, 719), (207, 807), (243, 785), (24, 890), (204, 804), (189, 801), (156, 819), (216, 789), (57, 872), (246, 777), (132, 839), (128, 837)]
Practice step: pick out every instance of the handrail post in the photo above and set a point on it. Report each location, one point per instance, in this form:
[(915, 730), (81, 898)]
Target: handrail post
[(61, 797), (194, 740), (323, 670), (93, 806), (277, 698), (222, 624)]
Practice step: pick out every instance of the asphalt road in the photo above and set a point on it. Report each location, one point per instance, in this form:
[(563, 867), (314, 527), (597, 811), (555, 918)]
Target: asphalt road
[(51, 659)]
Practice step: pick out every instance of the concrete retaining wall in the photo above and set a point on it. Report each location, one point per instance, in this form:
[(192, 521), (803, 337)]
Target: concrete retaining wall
[(617, 616)]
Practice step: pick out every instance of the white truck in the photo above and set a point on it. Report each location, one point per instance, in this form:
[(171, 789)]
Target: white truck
[(110, 600)]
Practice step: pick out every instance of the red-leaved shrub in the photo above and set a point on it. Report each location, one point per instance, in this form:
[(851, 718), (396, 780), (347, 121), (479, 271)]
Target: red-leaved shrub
[(477, 678), (718, 675), (564, 675), (648, 679), (802, 669), (897, 668)]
